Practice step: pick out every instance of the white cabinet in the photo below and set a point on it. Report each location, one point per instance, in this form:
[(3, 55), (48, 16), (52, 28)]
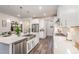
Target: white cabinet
[(49, 27), (36, 40), (29, 46), (32, 43), (62, 22), (42, 29), (24, 46), (4, 48)]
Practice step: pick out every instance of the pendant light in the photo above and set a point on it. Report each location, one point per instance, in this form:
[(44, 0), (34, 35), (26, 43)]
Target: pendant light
[(20, 16)]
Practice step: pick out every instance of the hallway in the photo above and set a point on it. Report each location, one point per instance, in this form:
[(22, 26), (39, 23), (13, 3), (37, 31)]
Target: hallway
[(45, 46)]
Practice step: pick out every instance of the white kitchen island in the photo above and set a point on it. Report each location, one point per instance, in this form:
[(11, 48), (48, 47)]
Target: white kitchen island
[(15, 44)]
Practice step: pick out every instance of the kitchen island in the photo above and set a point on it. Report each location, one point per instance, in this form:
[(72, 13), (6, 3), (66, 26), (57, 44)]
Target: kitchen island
[(18, 44)]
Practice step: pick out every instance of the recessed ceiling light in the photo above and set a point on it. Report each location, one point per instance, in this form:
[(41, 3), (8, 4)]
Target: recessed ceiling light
[(8, 20), (34, 15), (44, 14), (40, 7), (21, 7), (20, 22), (28, 11), (18, 15)]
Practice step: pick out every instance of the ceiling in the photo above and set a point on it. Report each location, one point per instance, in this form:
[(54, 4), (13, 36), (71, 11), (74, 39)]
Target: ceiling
[(24, 11)]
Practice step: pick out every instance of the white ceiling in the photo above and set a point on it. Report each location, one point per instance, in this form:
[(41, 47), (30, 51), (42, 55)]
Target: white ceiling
[(29, 10)]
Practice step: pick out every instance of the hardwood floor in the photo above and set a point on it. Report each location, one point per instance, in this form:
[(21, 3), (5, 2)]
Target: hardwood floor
[(45, 46)]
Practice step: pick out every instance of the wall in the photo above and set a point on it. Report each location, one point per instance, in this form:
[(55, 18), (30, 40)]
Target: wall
[(69, 16), (7, 18), (25, 24)]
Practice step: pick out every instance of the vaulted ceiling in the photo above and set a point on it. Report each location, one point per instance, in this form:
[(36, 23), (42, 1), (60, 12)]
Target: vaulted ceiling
[(24, 11)]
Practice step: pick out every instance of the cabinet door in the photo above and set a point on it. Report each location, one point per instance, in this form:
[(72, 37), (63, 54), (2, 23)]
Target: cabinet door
[(33, 43), (29, 46), (19, 47), (36, 40), (62, 22)]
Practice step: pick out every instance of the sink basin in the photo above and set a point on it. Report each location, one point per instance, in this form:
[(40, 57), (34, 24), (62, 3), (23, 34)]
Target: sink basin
[(6, 35), (29, 36)]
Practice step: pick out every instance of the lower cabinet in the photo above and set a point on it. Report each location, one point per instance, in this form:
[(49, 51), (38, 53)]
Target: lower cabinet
[(19, 47), (24, 46), (30, 45)]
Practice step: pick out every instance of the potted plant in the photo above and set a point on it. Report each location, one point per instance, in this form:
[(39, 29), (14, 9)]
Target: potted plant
[(17, 30)]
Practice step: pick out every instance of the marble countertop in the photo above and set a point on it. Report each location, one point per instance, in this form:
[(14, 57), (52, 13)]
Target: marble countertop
[(11, 39)]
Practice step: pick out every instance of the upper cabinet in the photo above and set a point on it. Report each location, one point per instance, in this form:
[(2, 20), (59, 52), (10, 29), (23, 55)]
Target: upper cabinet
[(25, 26), (68, 15)]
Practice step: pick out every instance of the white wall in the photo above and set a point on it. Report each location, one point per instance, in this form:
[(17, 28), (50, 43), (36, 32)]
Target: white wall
[(50, 22), (8, 25), (69, 14)]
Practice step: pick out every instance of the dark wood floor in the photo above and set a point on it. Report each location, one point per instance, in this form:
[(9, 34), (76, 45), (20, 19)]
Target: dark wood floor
[(45, 46)]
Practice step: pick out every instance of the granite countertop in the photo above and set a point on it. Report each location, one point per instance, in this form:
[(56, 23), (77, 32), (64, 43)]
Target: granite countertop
[(14, 38)]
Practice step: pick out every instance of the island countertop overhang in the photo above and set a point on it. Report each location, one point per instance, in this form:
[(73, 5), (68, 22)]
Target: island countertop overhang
[(13, 38)]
